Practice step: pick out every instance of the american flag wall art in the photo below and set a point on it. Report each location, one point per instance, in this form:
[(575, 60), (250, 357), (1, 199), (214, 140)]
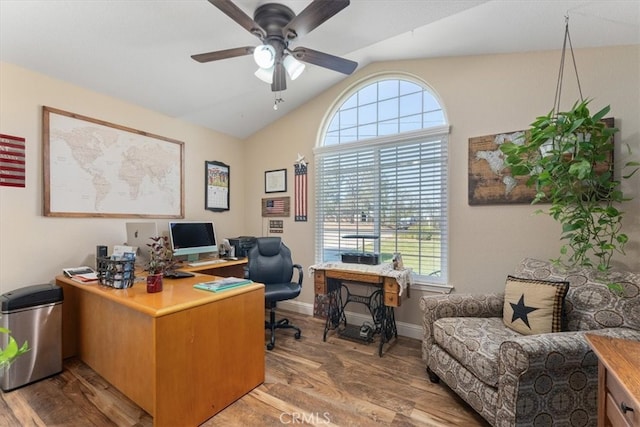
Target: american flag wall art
[(300, 189), (12, 161), (275, 206)]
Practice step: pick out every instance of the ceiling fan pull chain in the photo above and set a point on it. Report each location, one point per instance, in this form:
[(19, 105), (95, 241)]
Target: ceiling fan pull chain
[(277, 99)]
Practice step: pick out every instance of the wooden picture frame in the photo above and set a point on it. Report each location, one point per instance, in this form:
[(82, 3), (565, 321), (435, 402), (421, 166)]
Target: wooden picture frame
[(216, 182), (93, 168), (275, 181)]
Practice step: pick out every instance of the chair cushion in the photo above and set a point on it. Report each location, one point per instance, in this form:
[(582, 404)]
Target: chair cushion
[(281, 291), (474, 342), (533, 306), (590, 304)]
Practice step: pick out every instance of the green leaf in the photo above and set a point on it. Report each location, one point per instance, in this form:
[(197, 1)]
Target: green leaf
[(570, 227), (10, 352), (600, 114), (575, 125), (612, 211), (622, 239), (580, 169)]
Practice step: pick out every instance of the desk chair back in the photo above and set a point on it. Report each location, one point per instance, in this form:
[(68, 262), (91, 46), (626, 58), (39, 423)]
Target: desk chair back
[(270, 263)]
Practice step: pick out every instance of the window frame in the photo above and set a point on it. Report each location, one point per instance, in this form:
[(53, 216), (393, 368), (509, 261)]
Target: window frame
[(425, 135)]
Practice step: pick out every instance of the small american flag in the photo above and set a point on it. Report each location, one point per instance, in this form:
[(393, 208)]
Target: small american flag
[(275, 206), (300, 188)]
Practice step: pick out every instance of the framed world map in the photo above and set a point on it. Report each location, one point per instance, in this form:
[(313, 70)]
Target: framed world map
[(93, 168), (490, 180)]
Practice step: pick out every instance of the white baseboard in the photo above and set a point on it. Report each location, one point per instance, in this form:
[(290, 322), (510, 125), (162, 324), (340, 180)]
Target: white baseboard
[(409, 330)]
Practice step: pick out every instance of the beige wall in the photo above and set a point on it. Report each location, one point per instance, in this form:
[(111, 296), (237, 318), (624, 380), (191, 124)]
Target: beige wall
[(482, 95), (34, 248)]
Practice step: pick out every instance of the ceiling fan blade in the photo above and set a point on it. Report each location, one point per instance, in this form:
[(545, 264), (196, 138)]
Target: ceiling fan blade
[(312, 16), (335, 63), (235, 13), (223, 54), (279, 78)]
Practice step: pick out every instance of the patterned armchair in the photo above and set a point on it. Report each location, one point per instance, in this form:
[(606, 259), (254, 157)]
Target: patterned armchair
[(524, 380)]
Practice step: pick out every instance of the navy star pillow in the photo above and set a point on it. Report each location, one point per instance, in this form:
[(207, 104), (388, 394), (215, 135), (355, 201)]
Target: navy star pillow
[(534, 306)]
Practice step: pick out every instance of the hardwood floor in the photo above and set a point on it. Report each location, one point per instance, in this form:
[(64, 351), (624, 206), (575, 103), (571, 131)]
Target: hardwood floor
[(311, 382)]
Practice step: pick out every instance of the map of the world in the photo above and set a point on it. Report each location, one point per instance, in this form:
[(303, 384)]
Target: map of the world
[(95, 168)]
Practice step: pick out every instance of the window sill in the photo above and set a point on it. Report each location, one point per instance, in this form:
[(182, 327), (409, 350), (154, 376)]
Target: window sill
[(437, 288)]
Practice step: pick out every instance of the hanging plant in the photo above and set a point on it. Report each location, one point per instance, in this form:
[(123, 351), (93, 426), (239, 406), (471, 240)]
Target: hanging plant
[(569, 160)]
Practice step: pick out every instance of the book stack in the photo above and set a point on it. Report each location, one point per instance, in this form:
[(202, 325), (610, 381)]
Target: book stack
[(81, 274), (222, 284)]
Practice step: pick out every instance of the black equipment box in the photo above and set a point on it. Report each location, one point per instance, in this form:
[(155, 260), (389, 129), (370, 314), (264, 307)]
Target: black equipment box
[(361, 258), (242, 245)]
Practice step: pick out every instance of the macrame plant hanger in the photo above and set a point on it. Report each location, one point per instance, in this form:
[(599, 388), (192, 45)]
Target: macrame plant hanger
[(567, 38)]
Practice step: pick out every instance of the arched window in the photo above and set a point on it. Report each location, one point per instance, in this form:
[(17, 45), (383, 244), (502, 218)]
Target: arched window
[(381, 173)]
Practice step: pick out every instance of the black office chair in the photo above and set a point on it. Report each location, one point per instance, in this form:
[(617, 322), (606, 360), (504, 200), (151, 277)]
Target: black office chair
[(270, 263)]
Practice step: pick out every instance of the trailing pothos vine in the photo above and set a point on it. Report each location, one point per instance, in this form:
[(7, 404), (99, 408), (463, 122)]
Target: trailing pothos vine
[(568, 159)]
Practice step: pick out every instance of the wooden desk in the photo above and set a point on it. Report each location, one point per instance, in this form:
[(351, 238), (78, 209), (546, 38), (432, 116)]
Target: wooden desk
[(182, 354), (618, 380), (331, 282), (223, 269)]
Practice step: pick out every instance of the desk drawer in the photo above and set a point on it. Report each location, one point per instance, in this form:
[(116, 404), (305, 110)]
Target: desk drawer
[(391, 292), (319, 283), (617, 397)]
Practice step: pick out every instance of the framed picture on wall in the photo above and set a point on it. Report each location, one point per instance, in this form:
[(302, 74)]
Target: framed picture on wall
[(275, 181), (216, 192), (93, 168)]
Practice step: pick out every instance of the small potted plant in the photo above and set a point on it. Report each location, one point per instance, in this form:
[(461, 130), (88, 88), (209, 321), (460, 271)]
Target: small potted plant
[(160, 260), (11, 351)]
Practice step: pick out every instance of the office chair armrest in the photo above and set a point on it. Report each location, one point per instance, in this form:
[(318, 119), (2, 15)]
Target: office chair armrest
[(300, 273)]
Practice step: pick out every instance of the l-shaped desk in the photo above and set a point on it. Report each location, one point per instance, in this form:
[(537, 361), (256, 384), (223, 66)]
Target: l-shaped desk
[(182, 354)]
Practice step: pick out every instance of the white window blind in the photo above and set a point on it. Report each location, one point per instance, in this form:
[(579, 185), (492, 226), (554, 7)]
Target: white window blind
[(393, 185), (397, 191)]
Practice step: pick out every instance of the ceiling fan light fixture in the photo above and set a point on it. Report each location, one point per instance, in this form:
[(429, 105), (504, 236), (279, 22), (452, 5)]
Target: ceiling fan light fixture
[(265, 56), (293, 66), (265, 74)]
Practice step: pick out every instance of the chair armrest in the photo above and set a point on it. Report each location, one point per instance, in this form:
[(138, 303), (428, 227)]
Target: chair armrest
[(563, 359), (300, 273), (456, 305)]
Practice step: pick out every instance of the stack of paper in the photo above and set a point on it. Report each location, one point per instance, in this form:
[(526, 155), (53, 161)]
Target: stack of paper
[(81, 274)]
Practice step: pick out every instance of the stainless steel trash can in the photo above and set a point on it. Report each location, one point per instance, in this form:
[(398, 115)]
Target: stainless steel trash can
[(33, 314)]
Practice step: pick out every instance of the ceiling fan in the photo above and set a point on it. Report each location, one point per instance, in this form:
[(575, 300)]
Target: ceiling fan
[(276, 25)]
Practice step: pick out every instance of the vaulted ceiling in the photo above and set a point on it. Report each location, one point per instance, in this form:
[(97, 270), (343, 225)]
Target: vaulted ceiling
[(139, 50)]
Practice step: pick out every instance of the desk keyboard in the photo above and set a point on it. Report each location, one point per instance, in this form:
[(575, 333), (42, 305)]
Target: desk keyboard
[(209, 262)]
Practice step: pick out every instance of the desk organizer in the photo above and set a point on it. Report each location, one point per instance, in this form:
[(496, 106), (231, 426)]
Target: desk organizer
[(117, 274)]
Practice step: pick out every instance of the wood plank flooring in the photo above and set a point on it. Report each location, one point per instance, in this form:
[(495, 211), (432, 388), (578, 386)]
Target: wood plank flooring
[(308, 382)]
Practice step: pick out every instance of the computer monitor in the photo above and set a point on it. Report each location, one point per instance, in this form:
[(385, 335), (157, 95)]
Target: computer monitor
[(139, 234), (192, 238)]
